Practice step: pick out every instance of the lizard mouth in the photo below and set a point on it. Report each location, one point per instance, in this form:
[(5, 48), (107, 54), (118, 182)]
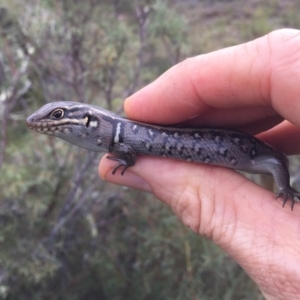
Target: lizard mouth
[(36, 125), (30, 125)]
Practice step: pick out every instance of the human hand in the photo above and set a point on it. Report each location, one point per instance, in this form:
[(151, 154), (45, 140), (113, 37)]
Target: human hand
[(251, 87)]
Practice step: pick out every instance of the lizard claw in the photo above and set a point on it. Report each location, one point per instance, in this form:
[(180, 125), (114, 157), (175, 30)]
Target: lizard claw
[(121, 163), (289, 193)]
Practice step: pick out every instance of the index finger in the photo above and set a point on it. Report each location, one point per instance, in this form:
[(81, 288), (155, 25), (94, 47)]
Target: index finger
[(240, 85)]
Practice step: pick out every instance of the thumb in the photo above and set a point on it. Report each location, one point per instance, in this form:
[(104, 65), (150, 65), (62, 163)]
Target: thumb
[(200, 196), (241, 217)]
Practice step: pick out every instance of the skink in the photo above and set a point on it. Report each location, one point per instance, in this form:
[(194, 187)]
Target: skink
[(97, 129)]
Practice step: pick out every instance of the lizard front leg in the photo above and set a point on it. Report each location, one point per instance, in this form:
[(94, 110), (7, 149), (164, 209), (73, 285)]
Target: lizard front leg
[(125, 156)]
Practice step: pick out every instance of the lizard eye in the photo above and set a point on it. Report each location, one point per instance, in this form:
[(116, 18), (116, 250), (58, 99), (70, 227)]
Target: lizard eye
[(57, 114)]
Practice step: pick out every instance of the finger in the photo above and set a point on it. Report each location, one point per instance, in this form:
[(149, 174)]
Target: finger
[(264, 73), (237, 118), (241, 217), (188, 186), (261, 125), (284, 137), (189, 179), (252, 122)]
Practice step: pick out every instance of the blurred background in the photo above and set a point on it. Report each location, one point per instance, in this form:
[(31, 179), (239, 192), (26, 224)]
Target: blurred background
[(64, 233)]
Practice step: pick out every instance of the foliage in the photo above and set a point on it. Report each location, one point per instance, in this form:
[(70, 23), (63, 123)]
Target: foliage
[(64, 233)]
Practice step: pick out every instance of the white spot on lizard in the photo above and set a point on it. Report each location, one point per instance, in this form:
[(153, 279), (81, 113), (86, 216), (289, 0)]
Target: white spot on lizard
[(118, 131), (94, 124)]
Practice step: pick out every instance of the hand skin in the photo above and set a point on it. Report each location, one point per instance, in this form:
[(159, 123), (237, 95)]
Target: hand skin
[(252, 87)]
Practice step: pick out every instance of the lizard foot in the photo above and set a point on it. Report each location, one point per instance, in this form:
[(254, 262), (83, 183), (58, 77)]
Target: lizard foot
[(289, 193)]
